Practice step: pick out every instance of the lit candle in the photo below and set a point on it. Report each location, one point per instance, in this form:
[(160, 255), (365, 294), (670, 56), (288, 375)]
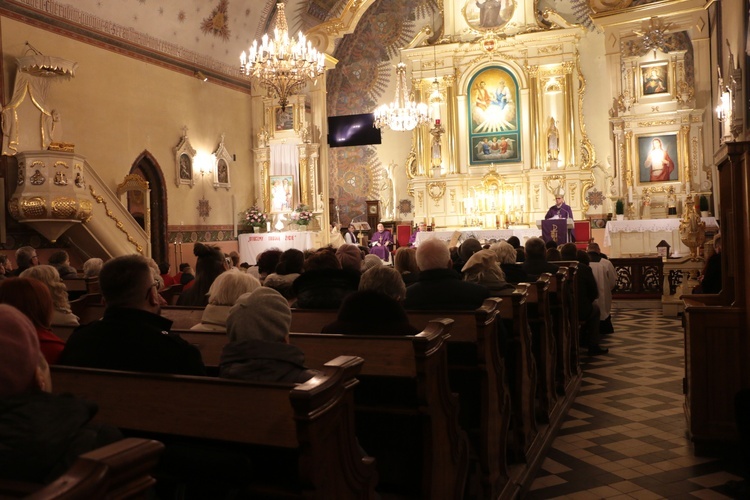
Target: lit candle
[(268, 227)]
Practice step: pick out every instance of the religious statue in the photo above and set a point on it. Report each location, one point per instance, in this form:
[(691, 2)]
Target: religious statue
[(692, 228), (262, 138), (52, 128), (671, 201), (553, 147), (436, 153), (645, 204), (304, 134)]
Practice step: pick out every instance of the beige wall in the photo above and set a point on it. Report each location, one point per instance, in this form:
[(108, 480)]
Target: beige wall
[(117, 106)]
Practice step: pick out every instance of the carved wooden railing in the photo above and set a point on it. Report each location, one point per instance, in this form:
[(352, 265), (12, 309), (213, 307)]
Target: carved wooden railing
[(638, 278)]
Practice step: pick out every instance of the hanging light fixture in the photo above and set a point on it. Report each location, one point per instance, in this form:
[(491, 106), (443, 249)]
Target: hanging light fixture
[(282, 64), (403, 113)]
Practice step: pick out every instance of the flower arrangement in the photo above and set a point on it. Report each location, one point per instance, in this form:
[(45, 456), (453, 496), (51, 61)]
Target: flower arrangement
[(302, 215), (253, 216)]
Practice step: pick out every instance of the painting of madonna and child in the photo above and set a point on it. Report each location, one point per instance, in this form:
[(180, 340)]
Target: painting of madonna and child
[(494, 130)]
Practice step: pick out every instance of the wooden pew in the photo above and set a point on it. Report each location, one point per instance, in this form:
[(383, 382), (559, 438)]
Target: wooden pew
[(183, 317), (76, 287), (477, 373), (522, 373), (118, 470), (543, 345), (171, 294), (479, 378), (403, 397), (561, 331), (88, 307), (312, 422)]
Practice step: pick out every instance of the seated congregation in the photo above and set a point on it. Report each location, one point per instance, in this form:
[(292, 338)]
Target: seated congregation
[(444, 375)]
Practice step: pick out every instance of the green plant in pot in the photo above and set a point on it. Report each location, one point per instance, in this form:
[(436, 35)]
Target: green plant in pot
[(620, 209)]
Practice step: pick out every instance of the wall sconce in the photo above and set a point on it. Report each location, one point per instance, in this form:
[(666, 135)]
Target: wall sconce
[(200, 76), (204, 163)]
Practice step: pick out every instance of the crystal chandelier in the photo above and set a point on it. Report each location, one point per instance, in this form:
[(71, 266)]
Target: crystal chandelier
[(402, 113), (282, 64)]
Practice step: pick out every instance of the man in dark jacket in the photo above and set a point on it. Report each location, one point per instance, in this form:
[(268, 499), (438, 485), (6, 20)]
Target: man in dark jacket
[(131, 335), (536, 259), (41, 434), (439, 286)]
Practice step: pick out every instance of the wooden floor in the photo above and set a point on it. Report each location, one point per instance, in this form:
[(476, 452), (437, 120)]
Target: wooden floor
[(624, 437)]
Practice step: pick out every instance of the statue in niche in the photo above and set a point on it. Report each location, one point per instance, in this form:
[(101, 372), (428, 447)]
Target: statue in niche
[(386, 199), (436, 149), (304, 134), (645, 204), (671, 201), (262, 138), (553, 140)]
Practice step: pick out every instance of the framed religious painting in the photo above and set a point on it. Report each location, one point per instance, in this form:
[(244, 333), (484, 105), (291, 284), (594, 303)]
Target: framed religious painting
[(184, 155), (284, 119), (654, 80), (483, 15), (282, 193), (221, 167), (494, 123), (658, 158)]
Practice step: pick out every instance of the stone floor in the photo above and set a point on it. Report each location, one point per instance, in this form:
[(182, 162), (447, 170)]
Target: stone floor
[(625, 434)]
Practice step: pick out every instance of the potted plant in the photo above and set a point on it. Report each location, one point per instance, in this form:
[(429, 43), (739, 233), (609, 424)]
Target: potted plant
[(703, 204), (302, 215), (620, 209), (254, 218)]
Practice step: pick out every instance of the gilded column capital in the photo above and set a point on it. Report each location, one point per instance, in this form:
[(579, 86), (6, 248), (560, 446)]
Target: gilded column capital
[(533, 71)]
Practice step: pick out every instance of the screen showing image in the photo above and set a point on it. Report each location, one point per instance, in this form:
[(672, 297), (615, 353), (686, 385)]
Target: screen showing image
[(352, 130)]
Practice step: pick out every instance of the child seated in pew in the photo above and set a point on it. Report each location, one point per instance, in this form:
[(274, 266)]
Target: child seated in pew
[(258, 349), (376, 308), (41, 434)]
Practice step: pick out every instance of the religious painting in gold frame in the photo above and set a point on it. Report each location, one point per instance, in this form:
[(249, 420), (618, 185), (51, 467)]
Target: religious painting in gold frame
[(654, 80), (658, 158), (494, 122), (485, 15)]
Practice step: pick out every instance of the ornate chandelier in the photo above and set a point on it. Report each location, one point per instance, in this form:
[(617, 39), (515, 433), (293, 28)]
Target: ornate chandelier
[(282, 64), (402, 113)]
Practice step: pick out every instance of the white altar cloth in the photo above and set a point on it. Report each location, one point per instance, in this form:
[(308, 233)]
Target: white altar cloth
[(648, 225), (482, 235), (253, 244)]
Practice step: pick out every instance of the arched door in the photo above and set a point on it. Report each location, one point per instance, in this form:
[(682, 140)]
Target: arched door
[(147, 167)]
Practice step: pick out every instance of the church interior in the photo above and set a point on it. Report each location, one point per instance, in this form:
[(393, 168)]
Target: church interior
[(139, 126)]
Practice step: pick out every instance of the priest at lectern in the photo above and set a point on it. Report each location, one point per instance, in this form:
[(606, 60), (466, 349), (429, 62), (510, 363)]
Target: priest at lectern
[(560, 210)]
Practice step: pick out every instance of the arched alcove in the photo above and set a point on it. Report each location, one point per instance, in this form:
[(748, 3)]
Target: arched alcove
[(147, 167)]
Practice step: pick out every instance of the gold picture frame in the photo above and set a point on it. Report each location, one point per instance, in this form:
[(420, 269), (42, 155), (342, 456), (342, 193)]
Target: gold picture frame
[(655, 80), (658, 158)]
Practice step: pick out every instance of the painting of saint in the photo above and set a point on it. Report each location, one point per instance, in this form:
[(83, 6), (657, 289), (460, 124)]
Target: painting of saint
[(284, 119), (657, 155), (654, 79), (495, 148), (186, 170), (488, 14), (223, 172)]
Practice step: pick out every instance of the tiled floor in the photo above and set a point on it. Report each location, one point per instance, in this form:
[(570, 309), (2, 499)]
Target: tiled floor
[(625, 434)]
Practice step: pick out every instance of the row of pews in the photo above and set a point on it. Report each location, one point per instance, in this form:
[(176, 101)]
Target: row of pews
[(466, 409)]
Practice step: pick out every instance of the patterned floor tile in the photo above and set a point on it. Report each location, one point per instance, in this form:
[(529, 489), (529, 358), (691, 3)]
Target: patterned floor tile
[(624, 437)]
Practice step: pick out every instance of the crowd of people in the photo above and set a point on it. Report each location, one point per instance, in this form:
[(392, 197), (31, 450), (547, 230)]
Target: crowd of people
[(253, 306)]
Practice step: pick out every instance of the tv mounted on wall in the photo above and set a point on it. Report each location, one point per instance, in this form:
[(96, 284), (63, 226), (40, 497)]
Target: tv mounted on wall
[(352, 130)]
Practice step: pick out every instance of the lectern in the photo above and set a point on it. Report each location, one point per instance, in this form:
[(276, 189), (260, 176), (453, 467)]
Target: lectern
[(556, 230)]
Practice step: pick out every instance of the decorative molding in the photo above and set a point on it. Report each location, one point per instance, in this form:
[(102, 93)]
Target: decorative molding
[(100, 200)]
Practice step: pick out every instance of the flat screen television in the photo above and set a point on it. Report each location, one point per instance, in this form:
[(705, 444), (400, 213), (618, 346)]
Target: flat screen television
[(352, 130)]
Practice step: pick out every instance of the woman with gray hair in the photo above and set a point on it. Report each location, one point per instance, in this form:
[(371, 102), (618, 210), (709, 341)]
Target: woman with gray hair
[(92, 267), (482, 268), (62, 315), (224, 292), (381, 291), (506, 257)]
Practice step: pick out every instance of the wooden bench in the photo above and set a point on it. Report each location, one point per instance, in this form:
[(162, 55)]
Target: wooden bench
[(119, 470), (171, 294), (76, 287), (88, 307), (182, 317), (522, 373), (476, 372), (561, 330), (543, 344), (313, 423), (406, 414)]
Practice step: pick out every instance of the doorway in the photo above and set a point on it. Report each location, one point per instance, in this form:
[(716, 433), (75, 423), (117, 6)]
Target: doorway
[(147, 167)]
